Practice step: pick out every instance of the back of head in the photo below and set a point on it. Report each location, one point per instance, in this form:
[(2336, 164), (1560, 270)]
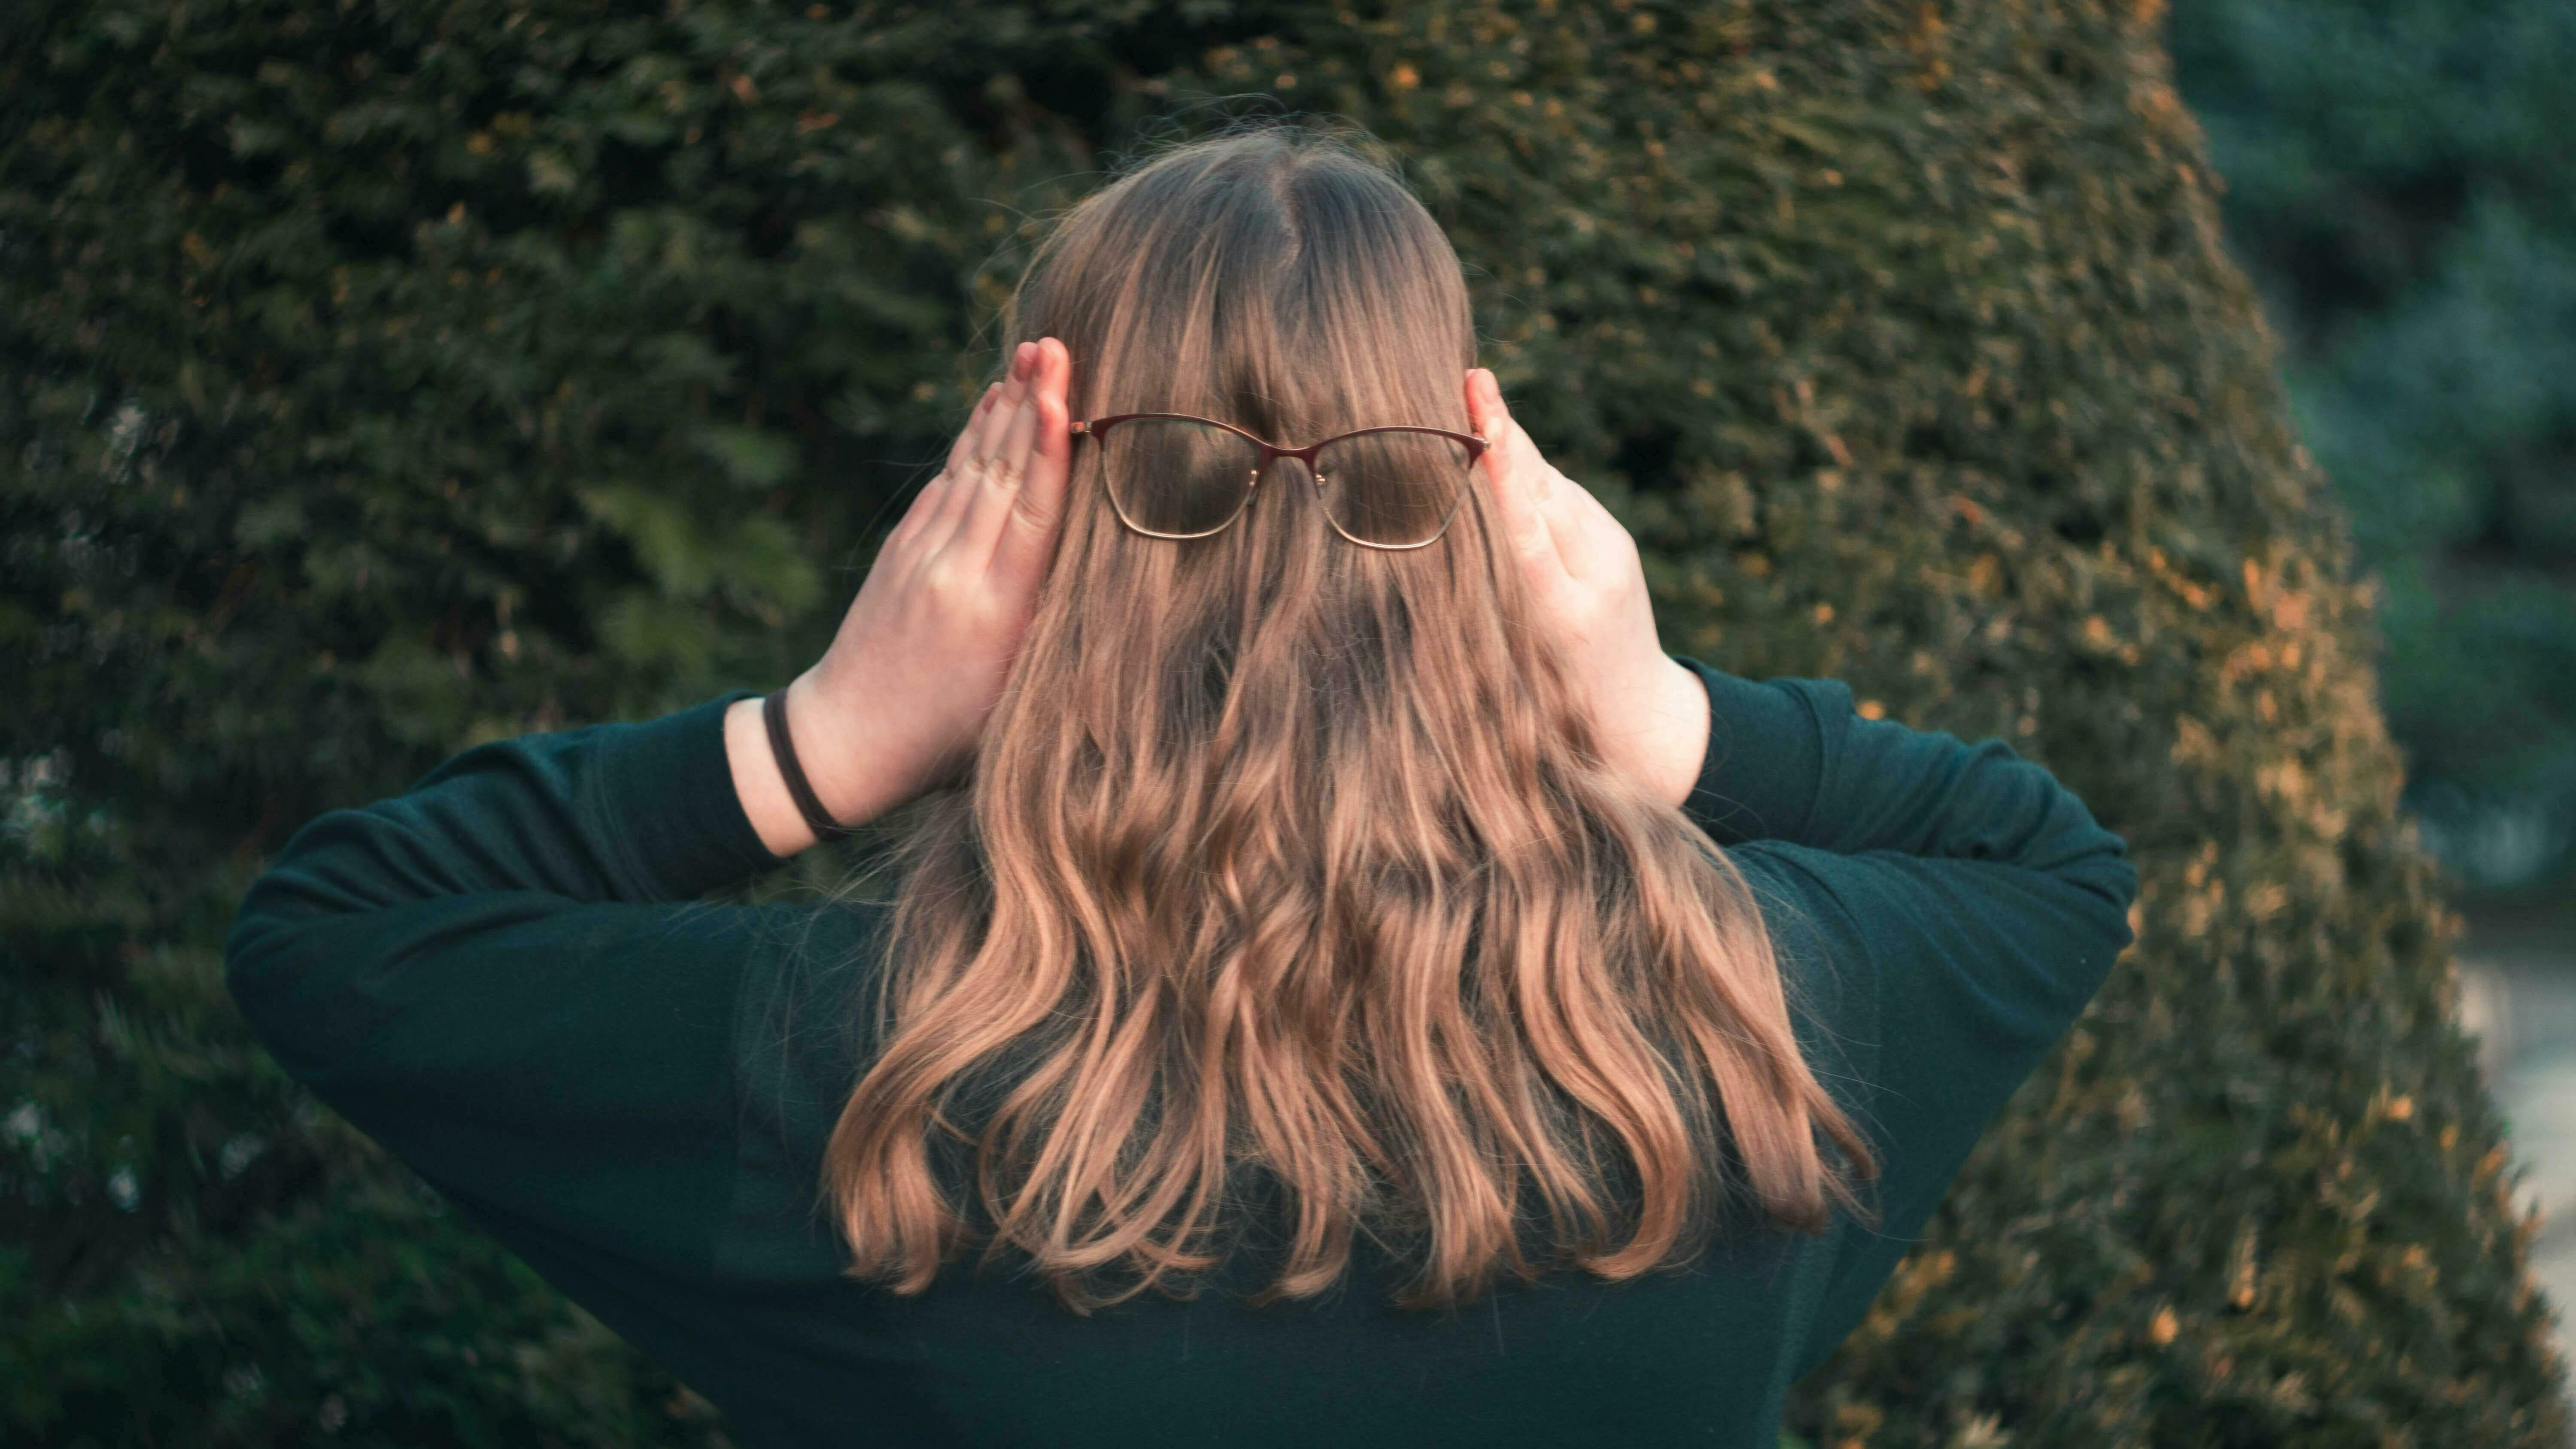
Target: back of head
[(1289, 869)]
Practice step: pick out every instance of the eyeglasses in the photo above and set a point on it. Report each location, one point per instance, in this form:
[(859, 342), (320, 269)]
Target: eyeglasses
[(1172, 475)]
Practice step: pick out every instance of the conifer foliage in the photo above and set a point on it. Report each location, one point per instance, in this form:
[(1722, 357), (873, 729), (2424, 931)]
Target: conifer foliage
[(378, 377)]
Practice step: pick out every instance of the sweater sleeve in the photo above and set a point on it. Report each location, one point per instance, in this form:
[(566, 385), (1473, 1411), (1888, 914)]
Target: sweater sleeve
[(503, 977), (1969, 903)]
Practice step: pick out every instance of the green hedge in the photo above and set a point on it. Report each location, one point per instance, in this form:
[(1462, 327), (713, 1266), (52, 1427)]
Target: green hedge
[(380, 376)]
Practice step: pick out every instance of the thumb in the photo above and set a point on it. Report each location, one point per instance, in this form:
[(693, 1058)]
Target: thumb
[(1518, 477)]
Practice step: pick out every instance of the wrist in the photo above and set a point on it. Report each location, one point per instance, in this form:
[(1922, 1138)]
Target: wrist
[(841, 754), (759, 783), (1683, 747), (846, 757), (1656, 731)]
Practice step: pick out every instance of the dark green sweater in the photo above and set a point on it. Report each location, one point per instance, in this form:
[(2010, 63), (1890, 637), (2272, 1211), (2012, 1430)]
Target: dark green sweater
[(506, 978)]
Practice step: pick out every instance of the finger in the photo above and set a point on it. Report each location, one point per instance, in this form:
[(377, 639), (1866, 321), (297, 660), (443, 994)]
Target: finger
[(1037, 447), (1591, 539), (970, 437), (1562, 504), (1510, 466), (970, 482), (1009, 461), (979, 520), (1025, 539), (927, 500), (935, 495)]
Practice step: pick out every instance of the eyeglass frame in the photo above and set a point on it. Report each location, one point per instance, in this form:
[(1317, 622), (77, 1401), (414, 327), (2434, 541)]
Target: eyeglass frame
[(1272, 452)]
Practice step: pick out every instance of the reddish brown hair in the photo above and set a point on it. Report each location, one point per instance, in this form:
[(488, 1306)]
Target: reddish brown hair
[(1292, 861)]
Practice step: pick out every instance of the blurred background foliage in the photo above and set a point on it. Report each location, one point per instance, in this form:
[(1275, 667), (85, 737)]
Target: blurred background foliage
[(378, 376), (2402, 187)]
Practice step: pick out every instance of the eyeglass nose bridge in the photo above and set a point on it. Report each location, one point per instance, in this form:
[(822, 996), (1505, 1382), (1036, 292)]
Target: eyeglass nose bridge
[(1271, 456)]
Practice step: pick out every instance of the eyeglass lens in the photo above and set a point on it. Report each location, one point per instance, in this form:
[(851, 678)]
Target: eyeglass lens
[(1387, 488)]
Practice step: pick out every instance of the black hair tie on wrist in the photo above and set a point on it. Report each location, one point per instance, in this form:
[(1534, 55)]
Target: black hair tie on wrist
[(773, 711)]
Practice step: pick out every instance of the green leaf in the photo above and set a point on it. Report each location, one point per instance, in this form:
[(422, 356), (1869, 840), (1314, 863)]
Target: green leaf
[(750, 457)]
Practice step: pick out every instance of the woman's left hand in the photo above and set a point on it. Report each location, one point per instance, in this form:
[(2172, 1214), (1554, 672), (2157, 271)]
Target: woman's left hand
[(901, 697)]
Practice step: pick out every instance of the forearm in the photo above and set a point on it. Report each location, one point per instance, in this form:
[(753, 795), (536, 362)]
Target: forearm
[(495, 843), (1790, 760)]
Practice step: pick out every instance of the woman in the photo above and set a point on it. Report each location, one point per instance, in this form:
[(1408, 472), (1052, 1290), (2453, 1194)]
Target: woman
[(1347, 983)]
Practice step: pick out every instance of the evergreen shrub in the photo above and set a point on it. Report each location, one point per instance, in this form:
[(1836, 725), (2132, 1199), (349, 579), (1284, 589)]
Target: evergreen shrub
[(378, 377)]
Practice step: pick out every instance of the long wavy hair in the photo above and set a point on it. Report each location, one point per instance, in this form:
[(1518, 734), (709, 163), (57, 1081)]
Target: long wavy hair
[(1289, 872)]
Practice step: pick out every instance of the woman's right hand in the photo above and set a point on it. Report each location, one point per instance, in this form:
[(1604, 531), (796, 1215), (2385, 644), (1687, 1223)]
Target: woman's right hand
[(1588, 586)]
